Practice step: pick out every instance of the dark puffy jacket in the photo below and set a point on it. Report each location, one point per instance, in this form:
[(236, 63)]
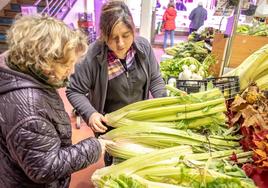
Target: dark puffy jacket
[(35, 135)]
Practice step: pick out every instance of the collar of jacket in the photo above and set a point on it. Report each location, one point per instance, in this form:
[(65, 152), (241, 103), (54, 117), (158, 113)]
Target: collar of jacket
[(13, 80), (101, 53)]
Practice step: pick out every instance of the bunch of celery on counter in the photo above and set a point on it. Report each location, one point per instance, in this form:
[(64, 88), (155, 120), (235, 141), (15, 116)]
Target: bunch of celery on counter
[(197, 120), (174, 142), (174, 167), (139, 139), (194, 111)]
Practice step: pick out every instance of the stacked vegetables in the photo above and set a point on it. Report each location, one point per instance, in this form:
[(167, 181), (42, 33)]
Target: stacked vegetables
[(179, 141), (253, 69), (206, 35), (190, 68), (172, 110), (258, 29), (196, 50), (174, 167)]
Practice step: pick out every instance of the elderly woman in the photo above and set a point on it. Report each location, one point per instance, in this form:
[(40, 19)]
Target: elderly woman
[(35, 136), (119, 69)]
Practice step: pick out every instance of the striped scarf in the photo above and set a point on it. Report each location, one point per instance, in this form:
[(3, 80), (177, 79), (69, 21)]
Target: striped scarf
[(115, 67)]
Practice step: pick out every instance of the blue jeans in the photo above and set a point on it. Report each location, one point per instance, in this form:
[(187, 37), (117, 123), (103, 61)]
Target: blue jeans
[(171, 33)]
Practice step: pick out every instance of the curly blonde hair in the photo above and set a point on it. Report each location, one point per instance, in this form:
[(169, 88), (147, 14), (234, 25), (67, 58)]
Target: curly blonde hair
[(40, 41)]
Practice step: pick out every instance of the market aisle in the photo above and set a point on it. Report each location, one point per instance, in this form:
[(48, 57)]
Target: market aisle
[(158, 51), (159, 39)]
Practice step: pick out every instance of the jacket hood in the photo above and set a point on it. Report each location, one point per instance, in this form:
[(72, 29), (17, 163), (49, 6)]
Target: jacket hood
[(171, 11), (11, 80)]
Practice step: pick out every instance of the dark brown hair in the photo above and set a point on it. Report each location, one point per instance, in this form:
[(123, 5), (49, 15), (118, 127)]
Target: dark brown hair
[(113, 12)]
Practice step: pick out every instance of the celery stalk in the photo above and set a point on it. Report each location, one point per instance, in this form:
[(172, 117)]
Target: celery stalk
[(164, 111), (128, 131), (193, 114), (194, 123), (158, 102)]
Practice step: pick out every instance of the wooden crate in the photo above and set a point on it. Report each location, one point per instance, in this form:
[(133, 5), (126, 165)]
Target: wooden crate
[(218, 51), (243, 46)]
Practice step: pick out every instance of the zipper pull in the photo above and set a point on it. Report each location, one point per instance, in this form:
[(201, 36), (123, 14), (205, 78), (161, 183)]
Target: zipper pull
[(127, 74)]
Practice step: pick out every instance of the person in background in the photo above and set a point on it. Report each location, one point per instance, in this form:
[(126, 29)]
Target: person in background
[(120, 68), (35, 137), (158, 4), (180, 6), (169, 24), (197, 17)]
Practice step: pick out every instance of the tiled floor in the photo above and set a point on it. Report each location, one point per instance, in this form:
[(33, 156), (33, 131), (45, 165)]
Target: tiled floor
[(159, 39)]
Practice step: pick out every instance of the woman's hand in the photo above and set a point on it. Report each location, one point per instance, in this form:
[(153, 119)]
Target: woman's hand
[(96, 121), (104, 143)]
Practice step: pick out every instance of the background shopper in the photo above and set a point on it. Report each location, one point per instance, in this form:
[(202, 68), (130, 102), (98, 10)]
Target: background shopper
[(120, 68), (169, 23), (197, 17), (35, 137)]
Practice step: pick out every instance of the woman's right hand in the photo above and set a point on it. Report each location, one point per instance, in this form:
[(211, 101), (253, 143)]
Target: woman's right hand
[(96, 121)]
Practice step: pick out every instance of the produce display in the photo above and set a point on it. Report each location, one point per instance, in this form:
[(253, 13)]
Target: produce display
[(216, 137), (196, 50), (257, 29), (187, 67), (169, 168), (206, 35), (180, 141)]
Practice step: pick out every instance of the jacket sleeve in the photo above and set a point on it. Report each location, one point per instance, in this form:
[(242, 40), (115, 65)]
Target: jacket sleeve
[(165, 16), (35, 145), (206, 15), (79, 86), (157, 84)]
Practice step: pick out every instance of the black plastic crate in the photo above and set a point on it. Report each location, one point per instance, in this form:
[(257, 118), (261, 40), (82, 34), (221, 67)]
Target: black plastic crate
[(228, 85)]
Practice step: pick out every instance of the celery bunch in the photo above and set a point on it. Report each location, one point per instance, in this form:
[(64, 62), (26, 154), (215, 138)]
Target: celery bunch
[(188, 111), (173, 167), (154, 137), (165, 145), (160, 123)]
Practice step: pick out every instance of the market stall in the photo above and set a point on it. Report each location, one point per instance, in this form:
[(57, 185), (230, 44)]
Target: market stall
[(209, 132)]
